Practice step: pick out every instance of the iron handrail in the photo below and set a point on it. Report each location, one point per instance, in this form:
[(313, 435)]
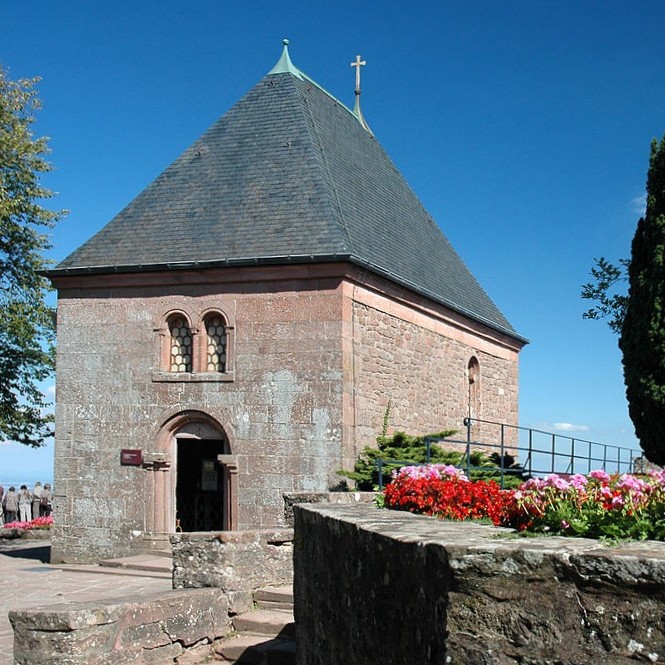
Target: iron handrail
[(580, 454)]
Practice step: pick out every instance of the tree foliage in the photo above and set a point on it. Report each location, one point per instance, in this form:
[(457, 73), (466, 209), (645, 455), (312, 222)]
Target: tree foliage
[(642, 338), (607, 292), (26, 322)]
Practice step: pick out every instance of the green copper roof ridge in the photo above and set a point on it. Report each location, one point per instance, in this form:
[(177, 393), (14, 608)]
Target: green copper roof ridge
[(359, 115), (285, 66)]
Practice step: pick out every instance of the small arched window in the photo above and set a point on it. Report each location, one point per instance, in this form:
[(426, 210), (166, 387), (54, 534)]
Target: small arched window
[(181, 344), (216, 343), (473, 371)]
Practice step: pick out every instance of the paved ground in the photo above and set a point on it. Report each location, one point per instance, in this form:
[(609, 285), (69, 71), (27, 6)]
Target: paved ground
[(27, 581)]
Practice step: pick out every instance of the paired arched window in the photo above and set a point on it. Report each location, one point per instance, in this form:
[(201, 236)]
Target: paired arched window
[(195, 346)]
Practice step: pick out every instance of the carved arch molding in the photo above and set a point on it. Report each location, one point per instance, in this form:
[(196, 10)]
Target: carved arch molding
[(161, 469)]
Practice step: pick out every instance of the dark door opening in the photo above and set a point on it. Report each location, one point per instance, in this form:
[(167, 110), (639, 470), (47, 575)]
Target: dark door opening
[(200, 486)]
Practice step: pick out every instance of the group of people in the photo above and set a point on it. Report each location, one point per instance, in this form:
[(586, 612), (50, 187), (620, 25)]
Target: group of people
[(25, 505)]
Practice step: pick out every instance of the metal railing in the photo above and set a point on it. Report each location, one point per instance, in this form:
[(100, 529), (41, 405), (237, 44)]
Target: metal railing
[(535, 452)]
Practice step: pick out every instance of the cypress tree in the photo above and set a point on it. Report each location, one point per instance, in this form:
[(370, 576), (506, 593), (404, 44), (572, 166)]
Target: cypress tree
[(642, 340)]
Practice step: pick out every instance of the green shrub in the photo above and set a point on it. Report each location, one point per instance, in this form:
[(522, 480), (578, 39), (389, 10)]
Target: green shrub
[(402, 449)]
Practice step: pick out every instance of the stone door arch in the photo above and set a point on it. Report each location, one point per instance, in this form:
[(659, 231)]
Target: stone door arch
[(183, 436)]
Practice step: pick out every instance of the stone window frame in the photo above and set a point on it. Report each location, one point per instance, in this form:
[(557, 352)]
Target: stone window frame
[(195, 316)]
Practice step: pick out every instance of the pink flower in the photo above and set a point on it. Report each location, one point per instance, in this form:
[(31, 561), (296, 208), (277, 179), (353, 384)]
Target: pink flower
[(578, 481), (556, 481), (564, 524), (601, 475), (605, 492), (18, 525), (39, 521), (618, 502), (626, 481), (532, 484), (658, 476), (429, 472)]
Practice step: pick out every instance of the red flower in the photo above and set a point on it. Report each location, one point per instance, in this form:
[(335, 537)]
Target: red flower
[(452, 498)]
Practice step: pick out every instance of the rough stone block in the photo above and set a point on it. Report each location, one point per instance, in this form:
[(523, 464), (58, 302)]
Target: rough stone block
[(160, 655), (432, 592), (32, 644), (149, 631), (238, 562)]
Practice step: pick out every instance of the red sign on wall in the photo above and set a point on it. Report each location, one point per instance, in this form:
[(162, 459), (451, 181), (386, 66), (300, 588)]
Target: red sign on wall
[(131, 457)]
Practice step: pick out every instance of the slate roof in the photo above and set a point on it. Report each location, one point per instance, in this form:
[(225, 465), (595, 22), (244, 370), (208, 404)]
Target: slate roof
[(287, 175)]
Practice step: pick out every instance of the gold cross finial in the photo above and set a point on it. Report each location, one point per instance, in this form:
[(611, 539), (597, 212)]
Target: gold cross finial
[(358, 64)]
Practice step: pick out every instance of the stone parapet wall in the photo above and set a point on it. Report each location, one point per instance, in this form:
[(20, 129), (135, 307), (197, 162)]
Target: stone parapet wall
[(237, 562), (156, 629), (383, 587), (293, 498)]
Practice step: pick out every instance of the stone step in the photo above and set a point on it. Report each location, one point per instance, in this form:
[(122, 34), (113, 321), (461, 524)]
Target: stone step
[(268, 623), (146, 562), (110, 570), (275, 598), (257, 650), (166, 554)]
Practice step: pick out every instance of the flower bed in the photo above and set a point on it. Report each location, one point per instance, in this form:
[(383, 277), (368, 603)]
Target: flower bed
[(444, 491), (593, 506), (37, 523)]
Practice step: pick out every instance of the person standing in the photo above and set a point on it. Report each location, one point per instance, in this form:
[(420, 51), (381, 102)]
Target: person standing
[(45, 504), (10, 504), (36, 497), (25, 504)]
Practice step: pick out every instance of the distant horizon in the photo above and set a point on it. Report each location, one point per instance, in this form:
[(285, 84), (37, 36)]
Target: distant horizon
[(7, 484)]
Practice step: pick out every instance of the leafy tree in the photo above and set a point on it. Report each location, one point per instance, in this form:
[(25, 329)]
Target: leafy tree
[(606, 293), (642, 338), (26, 322)]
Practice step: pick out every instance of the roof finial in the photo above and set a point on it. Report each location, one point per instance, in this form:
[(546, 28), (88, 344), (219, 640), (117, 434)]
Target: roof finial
[(284, 64), (356, 108)]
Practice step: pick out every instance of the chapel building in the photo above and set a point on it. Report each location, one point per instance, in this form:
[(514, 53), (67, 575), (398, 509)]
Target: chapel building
[(237, 331)]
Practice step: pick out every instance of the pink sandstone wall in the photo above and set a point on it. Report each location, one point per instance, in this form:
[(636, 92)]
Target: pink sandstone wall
[(417, 355), (281, 413), (317, 353)]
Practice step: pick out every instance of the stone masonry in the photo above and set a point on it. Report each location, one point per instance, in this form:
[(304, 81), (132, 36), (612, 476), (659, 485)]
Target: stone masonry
[(128, 631), (420, 364), (236, 562), (315, 353), (420, 590)]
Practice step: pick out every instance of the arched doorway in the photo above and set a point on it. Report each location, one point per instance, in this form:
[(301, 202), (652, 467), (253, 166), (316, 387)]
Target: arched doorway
[(192, 477), (201, 488)]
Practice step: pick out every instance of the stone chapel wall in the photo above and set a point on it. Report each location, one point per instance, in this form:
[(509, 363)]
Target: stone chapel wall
[(411, 355), (281, 413), (317, 353)]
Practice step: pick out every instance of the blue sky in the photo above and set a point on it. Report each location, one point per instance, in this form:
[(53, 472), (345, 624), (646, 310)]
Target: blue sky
[(523, 126)]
